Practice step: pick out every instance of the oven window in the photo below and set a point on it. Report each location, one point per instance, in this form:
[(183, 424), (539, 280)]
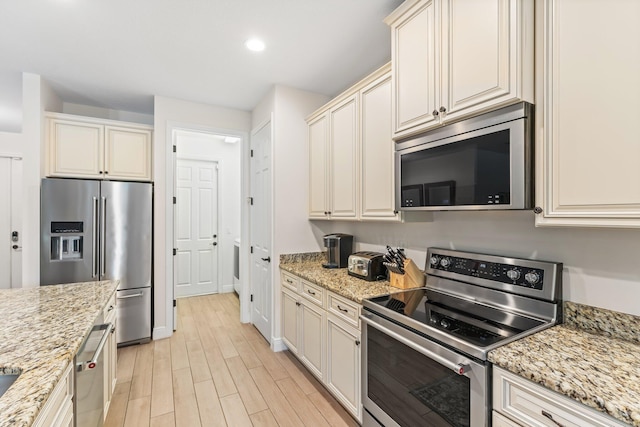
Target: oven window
[(413, 389), (474, 171)]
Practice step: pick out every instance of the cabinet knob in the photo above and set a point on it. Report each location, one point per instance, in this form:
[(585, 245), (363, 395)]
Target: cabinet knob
[(443, 110), (100, 172), (395, 212), (297, 303), (329, 213), (537, 210), (435, 113), (106, 172), (357, 342)]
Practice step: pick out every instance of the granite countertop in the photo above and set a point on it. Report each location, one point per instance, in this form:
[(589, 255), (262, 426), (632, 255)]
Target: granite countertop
[(309, 267), (593, 358), (42, 329)]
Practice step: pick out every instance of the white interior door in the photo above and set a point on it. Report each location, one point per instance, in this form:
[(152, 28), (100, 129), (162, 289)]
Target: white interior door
[(260, 218), (197, 227), (10, 223)]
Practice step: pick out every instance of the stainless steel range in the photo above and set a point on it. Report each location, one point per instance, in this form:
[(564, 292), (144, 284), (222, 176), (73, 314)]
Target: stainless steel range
[(425, 350)]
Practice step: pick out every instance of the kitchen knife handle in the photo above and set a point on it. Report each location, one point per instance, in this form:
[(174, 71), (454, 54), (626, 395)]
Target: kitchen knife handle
[(103, 245), (94, 261)]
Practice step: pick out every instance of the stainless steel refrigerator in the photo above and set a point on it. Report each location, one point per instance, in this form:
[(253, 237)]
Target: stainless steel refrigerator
[(101, 230)]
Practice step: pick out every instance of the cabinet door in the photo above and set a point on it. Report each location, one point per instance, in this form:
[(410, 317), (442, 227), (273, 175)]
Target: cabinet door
[(342, 375), (344, 159), (486, 55), (318, 167), (127, 153), (413, 52), (377, 149), (588, 171), (75, 149), (502, 421), (290, 320), (311, 337)]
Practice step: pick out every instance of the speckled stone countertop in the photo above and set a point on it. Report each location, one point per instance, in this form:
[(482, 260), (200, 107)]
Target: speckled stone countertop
[(594, 358), (309, 267), (42, 329)]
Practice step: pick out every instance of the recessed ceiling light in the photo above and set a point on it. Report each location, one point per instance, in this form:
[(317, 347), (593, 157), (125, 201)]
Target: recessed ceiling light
[(255, 45)]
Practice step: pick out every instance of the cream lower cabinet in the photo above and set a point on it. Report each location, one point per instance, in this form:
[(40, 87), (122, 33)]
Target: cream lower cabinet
[(343, 364), (58, 409), (323, 330), (587, 108), (455, 58), (351, 168), (110, 355), (81, 147), (518, 402)]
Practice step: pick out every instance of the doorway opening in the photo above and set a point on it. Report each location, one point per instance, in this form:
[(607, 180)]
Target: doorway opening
[(207, 210)]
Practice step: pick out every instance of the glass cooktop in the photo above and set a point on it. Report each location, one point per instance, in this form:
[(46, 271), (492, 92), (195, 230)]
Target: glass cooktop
[(474, 323)]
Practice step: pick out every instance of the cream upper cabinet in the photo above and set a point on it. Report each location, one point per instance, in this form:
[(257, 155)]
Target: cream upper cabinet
[(344, 159), (127, 153), (587, 108), (318, 167), (81, 147), (458, 58), (377, 195), (351, 169)]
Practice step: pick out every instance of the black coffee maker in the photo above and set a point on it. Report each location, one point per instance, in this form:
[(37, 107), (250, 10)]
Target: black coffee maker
[(339, 247)]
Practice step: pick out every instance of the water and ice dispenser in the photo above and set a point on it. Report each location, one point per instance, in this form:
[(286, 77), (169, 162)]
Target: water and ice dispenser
[(66, 240)]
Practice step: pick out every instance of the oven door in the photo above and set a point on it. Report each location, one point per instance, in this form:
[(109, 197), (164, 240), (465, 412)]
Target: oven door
[(409, 380)]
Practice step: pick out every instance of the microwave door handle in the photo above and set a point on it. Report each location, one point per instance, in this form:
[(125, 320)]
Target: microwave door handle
[(458, 368)]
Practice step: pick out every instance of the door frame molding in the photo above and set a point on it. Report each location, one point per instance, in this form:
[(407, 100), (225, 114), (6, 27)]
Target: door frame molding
[(169, 241), (219, 163)]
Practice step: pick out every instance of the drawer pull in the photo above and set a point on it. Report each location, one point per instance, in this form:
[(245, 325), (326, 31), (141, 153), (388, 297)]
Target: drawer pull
[(110, 308), (548, 415), (311, 292), (344, 310), (289, 281)]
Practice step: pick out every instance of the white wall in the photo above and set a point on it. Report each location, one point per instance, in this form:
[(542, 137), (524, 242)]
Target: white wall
[(601, 266), (170, 113), (106, 113), (207, 146), (292, 232)]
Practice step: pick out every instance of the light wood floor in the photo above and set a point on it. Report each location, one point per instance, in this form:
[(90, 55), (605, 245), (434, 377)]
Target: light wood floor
[(215, 371)]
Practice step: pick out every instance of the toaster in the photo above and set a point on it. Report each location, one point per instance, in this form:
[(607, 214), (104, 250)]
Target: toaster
[(367, 266)]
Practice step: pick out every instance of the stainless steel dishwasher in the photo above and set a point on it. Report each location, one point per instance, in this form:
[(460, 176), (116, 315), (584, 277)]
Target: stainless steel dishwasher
[(89, 377)]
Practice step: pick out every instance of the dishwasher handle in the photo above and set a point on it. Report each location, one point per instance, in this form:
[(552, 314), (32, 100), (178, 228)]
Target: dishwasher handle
[(91, 364)]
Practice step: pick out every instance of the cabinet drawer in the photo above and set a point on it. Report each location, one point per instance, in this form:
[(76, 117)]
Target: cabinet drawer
[(532, 405), (56, 407), (109, 312), (348, 311), (312, 292), (290, 281)]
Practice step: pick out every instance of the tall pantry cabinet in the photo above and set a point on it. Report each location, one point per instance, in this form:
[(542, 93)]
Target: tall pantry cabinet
[(587, 109)]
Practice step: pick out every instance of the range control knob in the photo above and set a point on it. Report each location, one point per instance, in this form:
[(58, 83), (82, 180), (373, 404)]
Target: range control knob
[(445, 262), (513, 274), (532, 277), (434, 260), (445, 323)]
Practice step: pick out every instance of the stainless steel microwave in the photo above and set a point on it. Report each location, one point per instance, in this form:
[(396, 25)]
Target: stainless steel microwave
[(485, 162)]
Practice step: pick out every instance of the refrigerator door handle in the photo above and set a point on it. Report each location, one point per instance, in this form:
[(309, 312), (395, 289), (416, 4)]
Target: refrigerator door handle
[(103, 232), (94, 261)]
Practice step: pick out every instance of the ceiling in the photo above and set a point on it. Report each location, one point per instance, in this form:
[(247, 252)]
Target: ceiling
[(118, 54)]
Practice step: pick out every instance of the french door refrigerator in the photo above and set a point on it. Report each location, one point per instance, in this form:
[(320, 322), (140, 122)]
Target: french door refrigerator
[(101, 230)]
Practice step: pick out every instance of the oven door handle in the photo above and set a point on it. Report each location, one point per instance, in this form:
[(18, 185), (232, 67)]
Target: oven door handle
[(458, 368)]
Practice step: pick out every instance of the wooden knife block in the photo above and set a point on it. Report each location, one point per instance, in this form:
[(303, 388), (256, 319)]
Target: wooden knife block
[(412, 277)]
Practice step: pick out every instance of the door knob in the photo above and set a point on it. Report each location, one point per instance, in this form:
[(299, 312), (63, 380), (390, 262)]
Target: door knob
[(215, 243), (268, 259)]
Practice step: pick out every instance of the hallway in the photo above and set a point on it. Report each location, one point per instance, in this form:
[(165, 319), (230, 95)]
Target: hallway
[(215, 371)]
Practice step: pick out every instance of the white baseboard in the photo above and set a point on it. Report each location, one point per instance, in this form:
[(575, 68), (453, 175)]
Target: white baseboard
[(226, 289), (161, 332), (278, 345)]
